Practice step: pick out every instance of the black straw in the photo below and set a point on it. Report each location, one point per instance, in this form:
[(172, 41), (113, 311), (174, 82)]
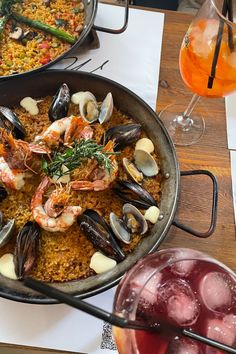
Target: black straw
[(218, 44), (230, 31), (116, 320)]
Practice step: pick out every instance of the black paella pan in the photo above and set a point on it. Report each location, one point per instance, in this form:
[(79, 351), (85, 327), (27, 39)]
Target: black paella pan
[(12, 91), (90, 11)]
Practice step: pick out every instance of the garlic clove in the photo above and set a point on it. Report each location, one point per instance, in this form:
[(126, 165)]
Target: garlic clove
[(63, 179), (30, 105), (7, 266), (101, 263), (152, 214), (145, 144)]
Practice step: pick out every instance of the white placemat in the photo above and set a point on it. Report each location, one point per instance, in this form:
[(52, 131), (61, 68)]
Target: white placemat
[(233, 173), (132, 59), (230, 107)]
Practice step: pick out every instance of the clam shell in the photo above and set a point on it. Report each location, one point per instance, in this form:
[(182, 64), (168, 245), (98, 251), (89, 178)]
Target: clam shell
[(106, 109), (119, 228), (138, 216), (145, 144), (146, 163), (133, 172), (88, 107), (7, 232)]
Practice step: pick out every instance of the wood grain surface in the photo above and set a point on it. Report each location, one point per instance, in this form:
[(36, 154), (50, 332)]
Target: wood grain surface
[(210, 153)]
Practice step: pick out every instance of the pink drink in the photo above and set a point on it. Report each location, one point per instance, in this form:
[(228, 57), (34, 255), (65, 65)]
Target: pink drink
[(184, 288)]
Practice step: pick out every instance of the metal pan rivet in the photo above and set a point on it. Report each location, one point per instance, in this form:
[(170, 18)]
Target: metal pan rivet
[(160, 217), (167, 175)]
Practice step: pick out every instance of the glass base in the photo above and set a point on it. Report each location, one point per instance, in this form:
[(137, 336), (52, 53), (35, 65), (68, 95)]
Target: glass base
[(182, 131)]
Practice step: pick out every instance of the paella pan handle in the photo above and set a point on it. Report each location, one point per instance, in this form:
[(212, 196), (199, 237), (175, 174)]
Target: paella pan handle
[(116, 31), (213, 208)]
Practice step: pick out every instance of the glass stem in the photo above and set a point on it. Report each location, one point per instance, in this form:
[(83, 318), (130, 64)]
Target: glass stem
[(191, 106), (184, 120)]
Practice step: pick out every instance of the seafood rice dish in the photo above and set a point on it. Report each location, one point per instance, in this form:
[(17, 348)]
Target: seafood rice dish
[(34, 33), (80, 186)]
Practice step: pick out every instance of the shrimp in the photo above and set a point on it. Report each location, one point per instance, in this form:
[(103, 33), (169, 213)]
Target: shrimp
[(54, 216), (72, 127), (100, 177)]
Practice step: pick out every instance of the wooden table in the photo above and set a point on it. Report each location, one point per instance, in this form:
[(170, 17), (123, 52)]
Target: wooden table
[(210, 153)]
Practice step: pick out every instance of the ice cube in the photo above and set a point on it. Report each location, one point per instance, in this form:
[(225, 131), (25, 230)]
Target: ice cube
[(180, 302), (222, 330), (185, 267), (181, 346), (215, 291), (149, 292)]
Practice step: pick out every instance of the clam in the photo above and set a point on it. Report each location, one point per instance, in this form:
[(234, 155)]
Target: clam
[(3, 193), (123, 135), (145, 144), (106, 109), (100, 234), (120, 229), (60, 103), (76, 97), (87, 105), (132, 222), (6, 230), (133, 172), (146, 163), (10, 121), (27, 243), (134, 219), (134, 194)]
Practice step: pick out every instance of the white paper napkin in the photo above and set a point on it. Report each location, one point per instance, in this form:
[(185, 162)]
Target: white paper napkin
[(233, 173), (230, 107), (132, 59)]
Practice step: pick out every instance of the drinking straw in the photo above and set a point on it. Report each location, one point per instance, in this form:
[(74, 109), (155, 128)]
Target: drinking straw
[(231, 18), (217, 47), (114, 319)]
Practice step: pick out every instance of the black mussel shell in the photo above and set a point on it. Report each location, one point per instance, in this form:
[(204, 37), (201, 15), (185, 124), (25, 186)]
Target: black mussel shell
[(100, 234), (11, 123), (27, 242), (134, 194), (60, 103), (123, 135), (3, 193)]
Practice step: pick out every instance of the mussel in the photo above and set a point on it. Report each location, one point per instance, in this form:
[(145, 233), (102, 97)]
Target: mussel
[(60, 103), (10, 121), (123, 135), (6, 230), (132, 222), (27, 243), (3, 193), (134, 194), (100, 234)]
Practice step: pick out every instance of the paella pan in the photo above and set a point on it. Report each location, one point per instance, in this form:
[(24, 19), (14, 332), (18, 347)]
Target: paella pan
[(111, 207), (36, 34)]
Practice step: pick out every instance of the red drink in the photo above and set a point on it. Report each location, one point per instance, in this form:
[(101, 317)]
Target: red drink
[(197, 294)]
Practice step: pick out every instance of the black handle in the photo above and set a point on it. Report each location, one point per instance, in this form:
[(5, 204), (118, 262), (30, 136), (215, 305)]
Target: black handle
[(120, 30), (213, 209)]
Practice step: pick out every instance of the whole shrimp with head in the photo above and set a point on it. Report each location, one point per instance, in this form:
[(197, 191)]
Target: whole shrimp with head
[(100, 177), (66, 130), (15, 160), (55, 215)]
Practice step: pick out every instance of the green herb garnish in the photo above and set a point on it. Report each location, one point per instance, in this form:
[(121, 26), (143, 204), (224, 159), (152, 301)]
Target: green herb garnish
[(74, 156)]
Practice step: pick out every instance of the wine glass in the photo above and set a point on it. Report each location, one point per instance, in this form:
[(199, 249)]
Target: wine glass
[(207, 63), (176, 287)]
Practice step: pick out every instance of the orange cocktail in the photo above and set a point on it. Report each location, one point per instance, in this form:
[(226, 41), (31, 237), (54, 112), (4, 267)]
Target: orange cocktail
[(196, 57)]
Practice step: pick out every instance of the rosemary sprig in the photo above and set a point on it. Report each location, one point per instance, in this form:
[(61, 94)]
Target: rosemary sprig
[(74, 156)]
